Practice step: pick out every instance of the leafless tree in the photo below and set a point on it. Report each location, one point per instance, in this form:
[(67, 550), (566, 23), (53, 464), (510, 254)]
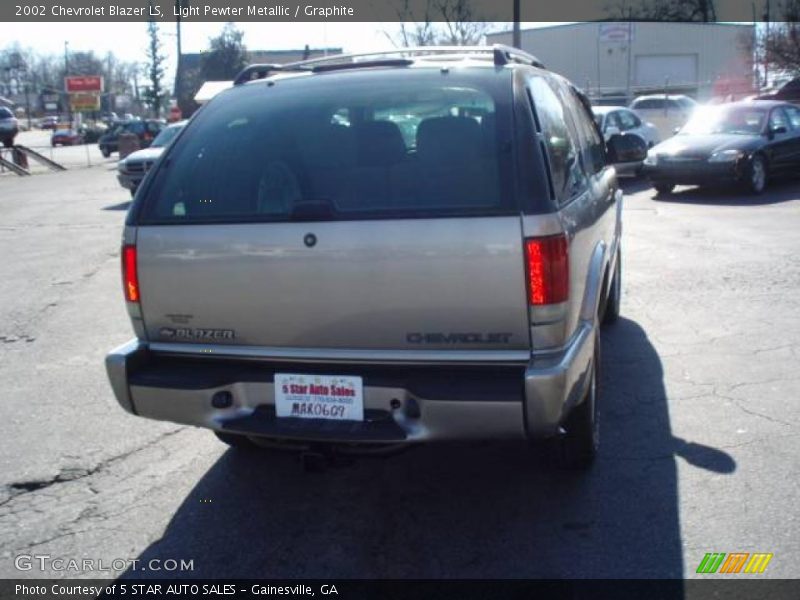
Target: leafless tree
[(429, 22), (663, 10)]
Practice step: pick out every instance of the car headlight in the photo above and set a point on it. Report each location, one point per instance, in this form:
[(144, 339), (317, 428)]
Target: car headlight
[(121, 165), (652, 159), (726, 156)]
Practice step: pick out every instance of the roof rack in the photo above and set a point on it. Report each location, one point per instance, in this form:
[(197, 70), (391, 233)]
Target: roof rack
[(260, 71), (500, 54)]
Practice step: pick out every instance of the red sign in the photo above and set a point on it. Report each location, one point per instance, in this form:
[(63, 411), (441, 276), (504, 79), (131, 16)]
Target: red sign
[(83, 83)]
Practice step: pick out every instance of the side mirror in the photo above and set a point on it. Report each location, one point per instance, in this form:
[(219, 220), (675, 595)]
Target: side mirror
[(624, 148), (778, 130)]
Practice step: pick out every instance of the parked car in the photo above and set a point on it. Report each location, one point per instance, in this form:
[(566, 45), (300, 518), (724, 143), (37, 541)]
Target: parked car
[(66, 137), (146, 131), (9, 127), (667, 112), (613, 120), (132, 169), (48, 123), (92, 133), (743, 143), (298, 274)]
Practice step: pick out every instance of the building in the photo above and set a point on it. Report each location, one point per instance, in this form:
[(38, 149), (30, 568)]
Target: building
[(622, 60)]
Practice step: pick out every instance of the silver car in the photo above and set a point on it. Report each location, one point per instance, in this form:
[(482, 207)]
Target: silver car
[(132, 169), (614, 120), (369, 253)]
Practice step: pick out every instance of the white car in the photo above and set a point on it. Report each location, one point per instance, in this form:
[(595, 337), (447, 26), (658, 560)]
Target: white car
[(618, 119), (667, 112)]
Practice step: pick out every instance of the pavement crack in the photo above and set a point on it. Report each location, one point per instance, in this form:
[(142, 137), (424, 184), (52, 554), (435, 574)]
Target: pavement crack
[(65, 475)]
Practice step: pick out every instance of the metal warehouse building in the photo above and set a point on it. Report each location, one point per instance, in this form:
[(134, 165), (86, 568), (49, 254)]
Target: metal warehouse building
[(628, 59)]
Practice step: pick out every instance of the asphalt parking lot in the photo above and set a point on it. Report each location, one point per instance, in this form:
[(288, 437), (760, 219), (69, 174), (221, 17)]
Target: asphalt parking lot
[(699, 416)]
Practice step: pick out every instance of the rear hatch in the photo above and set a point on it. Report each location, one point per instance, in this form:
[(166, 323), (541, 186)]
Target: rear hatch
[(342, 211)]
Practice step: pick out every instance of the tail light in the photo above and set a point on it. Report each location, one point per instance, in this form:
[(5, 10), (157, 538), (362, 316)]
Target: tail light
[(547, 261), (130, 277)]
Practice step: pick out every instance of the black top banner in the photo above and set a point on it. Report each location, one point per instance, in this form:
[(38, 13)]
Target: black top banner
[(351, 10)]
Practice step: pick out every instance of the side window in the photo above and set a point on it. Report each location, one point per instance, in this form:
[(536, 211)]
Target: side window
[(562, 149), (612, 121), (777, 118), (628, 120), (592, 148), (794, 117)]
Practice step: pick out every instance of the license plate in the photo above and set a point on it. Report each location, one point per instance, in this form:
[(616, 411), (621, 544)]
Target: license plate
[(334, 397)]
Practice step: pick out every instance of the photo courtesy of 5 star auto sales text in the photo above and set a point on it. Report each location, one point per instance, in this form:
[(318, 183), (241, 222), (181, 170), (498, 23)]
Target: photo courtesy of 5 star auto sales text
[(423, 299)]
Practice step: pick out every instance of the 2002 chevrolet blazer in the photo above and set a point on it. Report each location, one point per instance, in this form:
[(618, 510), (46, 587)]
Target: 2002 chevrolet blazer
[(378, 251)]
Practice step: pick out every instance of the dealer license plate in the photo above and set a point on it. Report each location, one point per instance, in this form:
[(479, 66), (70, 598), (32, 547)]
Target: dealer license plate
[(334, 397)]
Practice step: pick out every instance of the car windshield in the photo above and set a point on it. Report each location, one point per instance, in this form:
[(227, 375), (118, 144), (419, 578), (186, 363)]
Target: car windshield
[(166, 136), (743, 120), (366, 148), (5, 113)]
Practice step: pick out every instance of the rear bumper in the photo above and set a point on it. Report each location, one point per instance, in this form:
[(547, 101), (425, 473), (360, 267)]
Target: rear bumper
[(403, 403)]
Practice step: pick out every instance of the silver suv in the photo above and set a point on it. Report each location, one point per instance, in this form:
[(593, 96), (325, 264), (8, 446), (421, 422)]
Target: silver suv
[(368, 252)]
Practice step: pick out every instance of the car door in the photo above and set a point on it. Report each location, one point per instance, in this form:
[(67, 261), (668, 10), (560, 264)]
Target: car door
[(793, 159), (781, 140)]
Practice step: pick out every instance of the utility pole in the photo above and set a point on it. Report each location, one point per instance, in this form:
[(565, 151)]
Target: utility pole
[(766, 46), (178, 72), (517, 36), (66, 73)]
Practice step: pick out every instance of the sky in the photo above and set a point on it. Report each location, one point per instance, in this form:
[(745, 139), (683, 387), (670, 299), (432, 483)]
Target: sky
[(128, 40)]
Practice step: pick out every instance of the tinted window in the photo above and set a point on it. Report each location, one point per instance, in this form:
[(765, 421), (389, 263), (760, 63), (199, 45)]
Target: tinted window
[(561, 144), (589, 141), (777, 118), (166, 136), (5, 113), (794, 116), (355, 148)]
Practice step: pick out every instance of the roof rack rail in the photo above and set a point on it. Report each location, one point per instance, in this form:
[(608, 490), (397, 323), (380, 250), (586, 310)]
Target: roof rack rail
[(505, 54), (499, 53), (260, 71)]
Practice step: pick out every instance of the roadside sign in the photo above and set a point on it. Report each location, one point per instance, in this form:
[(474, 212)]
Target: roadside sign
[(83, 83), (84, 102), (615, 32)]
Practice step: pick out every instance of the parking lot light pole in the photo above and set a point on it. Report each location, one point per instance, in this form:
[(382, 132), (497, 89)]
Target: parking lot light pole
[(66, 74)]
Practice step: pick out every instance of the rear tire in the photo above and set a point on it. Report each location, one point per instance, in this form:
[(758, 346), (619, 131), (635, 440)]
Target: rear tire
[(240, 442), (611, 311), (577, 448), (664, 189)]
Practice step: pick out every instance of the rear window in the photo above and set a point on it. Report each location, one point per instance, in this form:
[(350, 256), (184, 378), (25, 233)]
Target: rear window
[(406, 144)]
